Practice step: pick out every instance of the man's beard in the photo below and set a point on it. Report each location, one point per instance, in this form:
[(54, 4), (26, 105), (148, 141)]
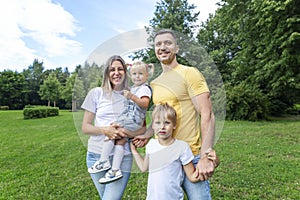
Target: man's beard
[(169, 60)]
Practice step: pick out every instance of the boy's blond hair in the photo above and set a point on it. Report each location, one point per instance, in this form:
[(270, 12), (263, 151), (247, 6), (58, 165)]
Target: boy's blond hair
[(165, 111)]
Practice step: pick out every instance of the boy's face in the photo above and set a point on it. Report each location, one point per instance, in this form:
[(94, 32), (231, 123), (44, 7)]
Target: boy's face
[(139, 75), (163, 127)]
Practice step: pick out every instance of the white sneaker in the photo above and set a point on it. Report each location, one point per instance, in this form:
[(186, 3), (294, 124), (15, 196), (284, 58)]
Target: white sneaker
[(99, 167), (111, 176)]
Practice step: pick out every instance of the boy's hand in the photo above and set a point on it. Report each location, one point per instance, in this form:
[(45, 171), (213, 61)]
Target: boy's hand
[(133, 148)]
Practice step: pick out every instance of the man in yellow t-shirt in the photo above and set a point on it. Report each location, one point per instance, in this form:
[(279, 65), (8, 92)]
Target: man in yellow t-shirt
[(176, 87), (185, 89)]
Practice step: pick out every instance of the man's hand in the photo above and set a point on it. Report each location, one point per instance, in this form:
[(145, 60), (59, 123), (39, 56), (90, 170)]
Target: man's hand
[(206, 166), (213, 157), (204, 169)]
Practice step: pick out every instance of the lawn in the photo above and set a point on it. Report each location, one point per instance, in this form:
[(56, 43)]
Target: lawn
[(45, 159)]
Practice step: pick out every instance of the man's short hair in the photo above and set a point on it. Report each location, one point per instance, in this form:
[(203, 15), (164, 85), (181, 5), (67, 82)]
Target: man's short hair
[(164, 31)]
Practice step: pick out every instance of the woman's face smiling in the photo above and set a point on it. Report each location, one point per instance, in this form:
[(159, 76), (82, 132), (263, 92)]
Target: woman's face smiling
[(116, 75)]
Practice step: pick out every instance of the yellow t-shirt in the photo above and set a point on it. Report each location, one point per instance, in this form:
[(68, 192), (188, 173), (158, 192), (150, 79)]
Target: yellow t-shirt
[(176, 87)]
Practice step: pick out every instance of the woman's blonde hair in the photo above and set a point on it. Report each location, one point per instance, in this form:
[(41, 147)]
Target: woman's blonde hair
[(165, 111), (106, 84)]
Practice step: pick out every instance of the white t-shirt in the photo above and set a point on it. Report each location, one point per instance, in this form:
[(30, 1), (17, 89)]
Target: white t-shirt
[(133, 113), (141, 90), (106, 108), (165, 169)]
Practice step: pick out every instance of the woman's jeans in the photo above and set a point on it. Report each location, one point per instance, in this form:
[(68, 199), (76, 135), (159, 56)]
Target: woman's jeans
[(113, 190), (199, 190)]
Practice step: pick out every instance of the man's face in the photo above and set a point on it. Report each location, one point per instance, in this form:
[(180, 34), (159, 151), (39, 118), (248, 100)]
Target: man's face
[(165, 48)]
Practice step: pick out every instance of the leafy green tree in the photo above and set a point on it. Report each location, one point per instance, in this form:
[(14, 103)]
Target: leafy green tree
[(177, 15), (88, 77), (91, 75), (218, 40), (257, 43), (50, 90), (62, 75), (12, 89), (67, 90), (34, 78), (73, 92), (78, 93)]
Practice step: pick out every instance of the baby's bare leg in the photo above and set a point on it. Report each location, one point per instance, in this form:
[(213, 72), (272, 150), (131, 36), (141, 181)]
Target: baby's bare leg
[(121, 141)]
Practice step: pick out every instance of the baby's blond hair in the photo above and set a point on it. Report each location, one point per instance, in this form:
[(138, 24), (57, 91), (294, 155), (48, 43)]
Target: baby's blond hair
[(149, 67)]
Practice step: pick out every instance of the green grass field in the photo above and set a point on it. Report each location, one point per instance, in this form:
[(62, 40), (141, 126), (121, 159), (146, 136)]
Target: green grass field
[(45, 159)]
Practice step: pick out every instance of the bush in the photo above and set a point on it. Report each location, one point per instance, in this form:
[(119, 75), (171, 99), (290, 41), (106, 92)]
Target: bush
[(4, 107), (52, 111), (246, 102), (33, 112)]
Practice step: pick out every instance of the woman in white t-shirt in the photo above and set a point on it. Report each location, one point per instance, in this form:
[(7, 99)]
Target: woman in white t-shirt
[(102, 106)]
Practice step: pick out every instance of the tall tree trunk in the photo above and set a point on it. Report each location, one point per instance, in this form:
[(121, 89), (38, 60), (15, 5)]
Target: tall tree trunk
[(74, 109)]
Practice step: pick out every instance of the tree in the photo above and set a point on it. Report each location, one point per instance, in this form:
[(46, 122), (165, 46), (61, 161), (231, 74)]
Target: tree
[(78, 93), (177, 15), (62, 76), (34, 79), (257, 43), (218, 40), (50, 90), (11, 89), (73, 92)]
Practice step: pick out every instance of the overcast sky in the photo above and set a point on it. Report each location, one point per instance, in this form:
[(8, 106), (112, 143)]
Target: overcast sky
[(63, 33)]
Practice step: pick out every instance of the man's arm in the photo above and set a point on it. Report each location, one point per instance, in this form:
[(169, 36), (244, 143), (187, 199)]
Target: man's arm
[(202, 103), (203, 106)]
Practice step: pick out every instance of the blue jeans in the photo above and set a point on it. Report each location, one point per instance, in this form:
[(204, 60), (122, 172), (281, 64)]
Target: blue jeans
[(199, 190), (114, 190)]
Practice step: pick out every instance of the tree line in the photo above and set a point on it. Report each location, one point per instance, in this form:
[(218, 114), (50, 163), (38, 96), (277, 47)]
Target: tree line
[(54, 87), (254, 44)]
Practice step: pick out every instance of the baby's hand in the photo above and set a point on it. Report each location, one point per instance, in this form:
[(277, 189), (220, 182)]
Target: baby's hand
[(127, 94)]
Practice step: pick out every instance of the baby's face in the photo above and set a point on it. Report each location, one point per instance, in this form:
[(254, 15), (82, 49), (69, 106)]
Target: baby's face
[(139, 75)]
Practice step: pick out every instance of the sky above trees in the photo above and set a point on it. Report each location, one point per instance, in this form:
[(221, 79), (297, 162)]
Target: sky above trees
[(62, 33)]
